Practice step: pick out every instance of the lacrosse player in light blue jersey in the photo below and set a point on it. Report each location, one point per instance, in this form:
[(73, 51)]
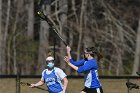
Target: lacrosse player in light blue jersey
[(52, 77)]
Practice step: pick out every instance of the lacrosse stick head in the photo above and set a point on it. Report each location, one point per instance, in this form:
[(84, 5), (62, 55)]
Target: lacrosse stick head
[(138, 73), (131, 86)]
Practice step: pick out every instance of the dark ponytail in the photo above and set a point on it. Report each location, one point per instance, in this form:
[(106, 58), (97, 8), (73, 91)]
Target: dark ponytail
[(50, 53), (99, 56)]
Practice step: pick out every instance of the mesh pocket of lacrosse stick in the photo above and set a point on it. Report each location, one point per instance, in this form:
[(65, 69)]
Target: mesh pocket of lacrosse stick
[(131, 86), (25, 84)]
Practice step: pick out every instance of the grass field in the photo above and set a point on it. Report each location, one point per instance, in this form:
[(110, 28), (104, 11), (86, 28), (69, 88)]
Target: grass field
[(74, 86)]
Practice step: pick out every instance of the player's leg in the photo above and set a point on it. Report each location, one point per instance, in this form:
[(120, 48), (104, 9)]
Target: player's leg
[(82, 92), (95, 90)]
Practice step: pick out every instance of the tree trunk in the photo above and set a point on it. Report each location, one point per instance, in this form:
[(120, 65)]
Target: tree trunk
[(63, 7), (83, 8), (6, 33), (120, 52), (30, 31), (119, 67), (19, 4), (1, 59), (74, 10), (3, 36), (137, 52)]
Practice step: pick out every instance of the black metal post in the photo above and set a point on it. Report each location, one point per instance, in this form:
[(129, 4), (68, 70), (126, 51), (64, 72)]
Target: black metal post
[(18, 79), (128, 88), (54, 44)]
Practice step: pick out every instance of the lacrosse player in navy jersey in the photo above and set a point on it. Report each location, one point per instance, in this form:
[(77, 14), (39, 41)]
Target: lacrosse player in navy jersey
[(52, 77), (87, 65)]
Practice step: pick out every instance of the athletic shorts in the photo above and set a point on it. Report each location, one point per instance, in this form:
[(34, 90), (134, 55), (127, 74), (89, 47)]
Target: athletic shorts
[(93, 90)]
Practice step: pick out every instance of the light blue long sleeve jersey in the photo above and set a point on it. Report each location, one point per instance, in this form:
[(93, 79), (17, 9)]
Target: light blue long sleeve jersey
[(90, 69)]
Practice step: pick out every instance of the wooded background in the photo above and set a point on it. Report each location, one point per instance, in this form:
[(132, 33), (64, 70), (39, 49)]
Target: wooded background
[(113, 26)]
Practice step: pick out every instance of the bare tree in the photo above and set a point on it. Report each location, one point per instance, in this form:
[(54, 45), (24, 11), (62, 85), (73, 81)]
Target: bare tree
[(104, 24), (19, 4), (136, 64), (30, 19), (63, 8), (1, 60), (81, 24), (3, 40)]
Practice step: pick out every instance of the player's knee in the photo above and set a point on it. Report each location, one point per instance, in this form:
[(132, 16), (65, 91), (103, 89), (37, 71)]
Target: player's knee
[(82, 92)]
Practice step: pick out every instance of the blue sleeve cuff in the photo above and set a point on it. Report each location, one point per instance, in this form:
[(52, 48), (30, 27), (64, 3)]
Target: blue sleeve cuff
[(80, 70), (71, 60)]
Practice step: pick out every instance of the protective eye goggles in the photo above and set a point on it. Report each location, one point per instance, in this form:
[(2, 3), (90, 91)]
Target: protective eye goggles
[(47, 61)]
